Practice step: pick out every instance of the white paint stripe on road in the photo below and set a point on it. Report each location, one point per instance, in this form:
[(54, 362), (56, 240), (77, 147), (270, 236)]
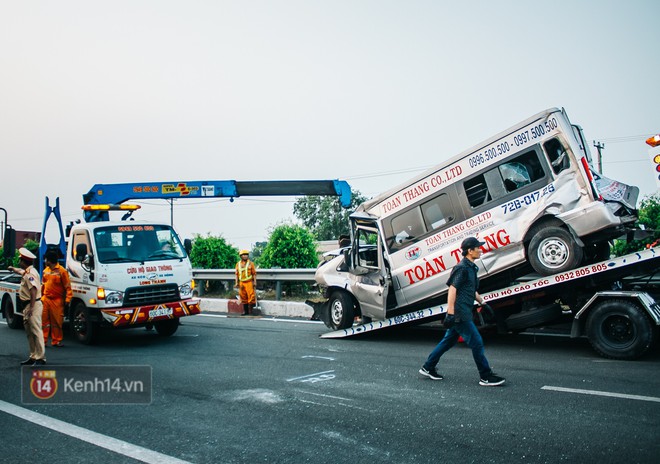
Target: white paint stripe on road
[(652, 399), (265, 319), (309, 375), (103, 441), (297, 321), (325, 396)]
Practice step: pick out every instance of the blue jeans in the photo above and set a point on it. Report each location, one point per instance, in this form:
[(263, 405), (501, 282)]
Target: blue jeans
[(472, 338)]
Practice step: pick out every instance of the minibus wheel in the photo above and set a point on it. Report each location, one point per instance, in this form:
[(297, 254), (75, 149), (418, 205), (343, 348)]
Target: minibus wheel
[(553, 250), (341, 310)]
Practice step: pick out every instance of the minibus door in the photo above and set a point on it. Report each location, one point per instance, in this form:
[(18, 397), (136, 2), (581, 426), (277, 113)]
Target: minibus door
[(368, 273)]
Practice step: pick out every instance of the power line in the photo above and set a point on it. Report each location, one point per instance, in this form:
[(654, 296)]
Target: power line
[(626, 138)]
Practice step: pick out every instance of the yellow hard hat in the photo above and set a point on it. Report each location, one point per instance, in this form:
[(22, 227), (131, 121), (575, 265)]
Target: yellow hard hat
[(244, 252)]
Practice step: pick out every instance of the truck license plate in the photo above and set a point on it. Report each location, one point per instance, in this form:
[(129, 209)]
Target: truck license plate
[(160, 312)]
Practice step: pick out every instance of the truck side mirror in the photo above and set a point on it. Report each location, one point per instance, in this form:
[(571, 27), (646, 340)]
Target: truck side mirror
[(9, 243), (81, 252), (187, 245)]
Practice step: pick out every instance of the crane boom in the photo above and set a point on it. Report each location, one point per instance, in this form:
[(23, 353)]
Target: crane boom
[(119, 193)]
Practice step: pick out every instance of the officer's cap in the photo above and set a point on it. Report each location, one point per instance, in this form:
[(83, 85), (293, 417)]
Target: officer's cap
[(26, 254)]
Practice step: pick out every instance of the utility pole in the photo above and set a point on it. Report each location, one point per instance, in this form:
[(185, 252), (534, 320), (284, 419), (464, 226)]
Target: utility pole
[(600, 146), (171, 212)]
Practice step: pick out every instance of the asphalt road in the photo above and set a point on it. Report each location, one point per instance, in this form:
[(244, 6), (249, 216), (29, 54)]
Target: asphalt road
[(242, 390)]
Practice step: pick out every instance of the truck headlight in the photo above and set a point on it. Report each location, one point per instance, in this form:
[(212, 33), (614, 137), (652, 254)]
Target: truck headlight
[(186, 290), (114, 298)]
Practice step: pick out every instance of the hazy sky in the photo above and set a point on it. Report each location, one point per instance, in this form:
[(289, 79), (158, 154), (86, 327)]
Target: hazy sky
[(371, 92)]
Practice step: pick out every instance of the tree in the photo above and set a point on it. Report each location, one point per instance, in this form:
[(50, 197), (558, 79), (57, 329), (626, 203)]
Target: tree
[(649, 217), (256, 252), (324, 216), (289, 247), (213, 253)]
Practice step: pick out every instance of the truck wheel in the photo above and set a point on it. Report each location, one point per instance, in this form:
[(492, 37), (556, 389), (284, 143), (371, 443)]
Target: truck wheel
[(14, 321), (620, 329), (166, 328), (553, 250), (83, 328), (341, 310), (533, 317)]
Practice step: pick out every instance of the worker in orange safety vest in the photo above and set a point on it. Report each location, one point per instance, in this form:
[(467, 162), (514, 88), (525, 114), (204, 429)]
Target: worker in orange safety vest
[(246, 281), (56, 291)]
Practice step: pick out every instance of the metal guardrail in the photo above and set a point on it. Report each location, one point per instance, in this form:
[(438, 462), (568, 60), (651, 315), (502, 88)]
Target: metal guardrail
[(302, 275), (274, 275)]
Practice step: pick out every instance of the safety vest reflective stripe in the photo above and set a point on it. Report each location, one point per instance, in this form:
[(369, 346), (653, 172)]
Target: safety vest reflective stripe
[(244, 273)]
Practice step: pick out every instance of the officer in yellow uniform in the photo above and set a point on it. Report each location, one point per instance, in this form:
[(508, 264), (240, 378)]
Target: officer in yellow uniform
[(30, 295), (246, 281)]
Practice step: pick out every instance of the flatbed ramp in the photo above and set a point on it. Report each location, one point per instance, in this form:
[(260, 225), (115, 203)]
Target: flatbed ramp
[(622, 266)]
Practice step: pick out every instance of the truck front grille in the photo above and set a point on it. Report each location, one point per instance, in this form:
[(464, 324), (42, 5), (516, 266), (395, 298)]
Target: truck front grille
[(152, 294)]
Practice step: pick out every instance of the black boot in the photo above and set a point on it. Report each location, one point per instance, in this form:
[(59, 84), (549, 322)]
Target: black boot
[(246, 310)]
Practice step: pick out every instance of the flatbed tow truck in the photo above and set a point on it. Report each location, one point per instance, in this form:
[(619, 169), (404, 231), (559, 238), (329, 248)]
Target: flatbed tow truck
[(614, 303)]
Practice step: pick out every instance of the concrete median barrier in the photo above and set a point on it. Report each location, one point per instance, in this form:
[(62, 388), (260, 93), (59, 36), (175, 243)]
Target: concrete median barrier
[(265, 308)]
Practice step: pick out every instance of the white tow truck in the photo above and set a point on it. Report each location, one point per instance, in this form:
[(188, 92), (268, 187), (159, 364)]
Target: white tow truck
[(123, 274), (614, 303)]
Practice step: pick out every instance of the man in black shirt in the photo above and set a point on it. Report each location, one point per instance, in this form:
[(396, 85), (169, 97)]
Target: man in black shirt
[(463, 285)]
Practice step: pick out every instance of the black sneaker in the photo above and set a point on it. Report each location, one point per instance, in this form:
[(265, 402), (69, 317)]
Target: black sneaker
[(430, 373), (491, 380)]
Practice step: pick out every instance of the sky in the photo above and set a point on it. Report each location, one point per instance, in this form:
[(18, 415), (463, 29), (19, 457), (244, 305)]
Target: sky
[(371, 92)]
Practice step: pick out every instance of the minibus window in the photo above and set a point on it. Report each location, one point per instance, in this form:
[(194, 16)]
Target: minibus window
[(407, 227), (515, 175), (477, 191), (437, 212), (522, 170), (557, 154)]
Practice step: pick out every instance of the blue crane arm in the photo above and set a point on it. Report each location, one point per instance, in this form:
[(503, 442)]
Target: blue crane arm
[(119, 193)]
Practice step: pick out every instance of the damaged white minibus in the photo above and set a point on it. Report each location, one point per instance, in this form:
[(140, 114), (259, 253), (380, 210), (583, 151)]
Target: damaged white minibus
[(529, 192)]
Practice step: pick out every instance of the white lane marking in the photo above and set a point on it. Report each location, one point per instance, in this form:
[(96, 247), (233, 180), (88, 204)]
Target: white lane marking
[(296, 321), (318, 404), (318, 374), (319, 357), (103, 441), (602, 393), (324, 396), (266, 319)]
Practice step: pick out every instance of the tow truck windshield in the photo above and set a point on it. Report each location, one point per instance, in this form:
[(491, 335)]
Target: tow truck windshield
[(137, 243)]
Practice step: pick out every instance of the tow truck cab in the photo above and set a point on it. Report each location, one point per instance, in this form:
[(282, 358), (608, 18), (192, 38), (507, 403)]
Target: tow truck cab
[(127, 274)]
